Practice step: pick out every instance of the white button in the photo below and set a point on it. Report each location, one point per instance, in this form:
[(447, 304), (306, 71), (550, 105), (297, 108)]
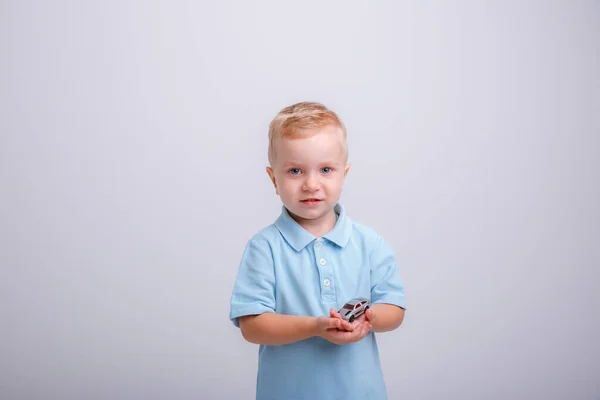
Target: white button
[(322, 261), (326, 282)]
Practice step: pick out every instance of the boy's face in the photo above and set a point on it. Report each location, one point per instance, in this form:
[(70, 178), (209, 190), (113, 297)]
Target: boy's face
[(308, 174)]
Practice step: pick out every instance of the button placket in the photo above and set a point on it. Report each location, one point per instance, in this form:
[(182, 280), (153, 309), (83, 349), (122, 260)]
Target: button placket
[(325, 271)]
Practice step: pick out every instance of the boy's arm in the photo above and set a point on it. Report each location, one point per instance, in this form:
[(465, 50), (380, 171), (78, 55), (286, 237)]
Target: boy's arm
[(387, 291), (278, 329)]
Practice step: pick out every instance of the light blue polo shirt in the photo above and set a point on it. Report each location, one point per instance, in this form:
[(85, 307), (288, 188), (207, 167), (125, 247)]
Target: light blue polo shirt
[(287, 270)]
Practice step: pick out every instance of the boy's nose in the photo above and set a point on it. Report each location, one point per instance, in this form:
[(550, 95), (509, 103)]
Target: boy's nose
[(311, 184)]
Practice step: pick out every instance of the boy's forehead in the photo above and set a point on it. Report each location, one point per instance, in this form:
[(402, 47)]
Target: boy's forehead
[(326, 146)]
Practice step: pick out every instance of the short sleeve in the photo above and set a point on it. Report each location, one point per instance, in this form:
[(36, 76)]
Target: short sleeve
[(254, 289), (386, 285)]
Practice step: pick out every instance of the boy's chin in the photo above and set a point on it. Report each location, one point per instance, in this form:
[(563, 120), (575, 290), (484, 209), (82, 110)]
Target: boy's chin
[(309, 214)]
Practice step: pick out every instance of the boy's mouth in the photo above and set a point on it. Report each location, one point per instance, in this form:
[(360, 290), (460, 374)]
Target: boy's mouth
[(310, 201)]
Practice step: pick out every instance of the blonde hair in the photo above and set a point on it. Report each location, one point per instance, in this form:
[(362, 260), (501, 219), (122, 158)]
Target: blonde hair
[(298, 120)]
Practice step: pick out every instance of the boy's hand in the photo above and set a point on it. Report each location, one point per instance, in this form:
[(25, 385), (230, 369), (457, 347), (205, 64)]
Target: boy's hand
[(332, 330), (344, 325), (367, 317), (324, 323)]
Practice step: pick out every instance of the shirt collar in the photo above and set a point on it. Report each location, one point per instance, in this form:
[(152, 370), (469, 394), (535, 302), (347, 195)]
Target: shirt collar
[(299, 238)]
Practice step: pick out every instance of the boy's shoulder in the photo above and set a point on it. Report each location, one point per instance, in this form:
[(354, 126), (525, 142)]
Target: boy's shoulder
[(268, 234), (366, 234), (364, 230)]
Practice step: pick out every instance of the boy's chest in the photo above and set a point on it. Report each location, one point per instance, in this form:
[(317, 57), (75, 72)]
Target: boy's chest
[(320, 277)]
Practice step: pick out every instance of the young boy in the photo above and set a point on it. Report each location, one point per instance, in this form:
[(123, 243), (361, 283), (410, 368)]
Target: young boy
[(297, 272)]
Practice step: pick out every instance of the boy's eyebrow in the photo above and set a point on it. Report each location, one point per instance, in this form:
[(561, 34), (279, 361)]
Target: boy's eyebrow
[(295, 164), (291, 164)]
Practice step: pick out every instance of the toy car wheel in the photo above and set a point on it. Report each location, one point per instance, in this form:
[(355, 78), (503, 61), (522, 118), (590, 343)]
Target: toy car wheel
[(351, 319), (366, 308)]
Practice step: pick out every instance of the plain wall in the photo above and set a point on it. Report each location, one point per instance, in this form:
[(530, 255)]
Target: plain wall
[(133, 141)]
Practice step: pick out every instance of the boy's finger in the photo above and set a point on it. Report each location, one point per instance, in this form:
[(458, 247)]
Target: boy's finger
[(334, 323), (347, 325), (369, 315)]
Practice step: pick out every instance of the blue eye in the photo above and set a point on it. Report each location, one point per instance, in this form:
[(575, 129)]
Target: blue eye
[(294, 171), (326, 170)]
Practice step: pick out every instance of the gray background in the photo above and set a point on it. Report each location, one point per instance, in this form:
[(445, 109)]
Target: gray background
[(133, 141)]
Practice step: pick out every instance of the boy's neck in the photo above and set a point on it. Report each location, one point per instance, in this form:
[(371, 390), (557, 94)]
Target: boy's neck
[(317, 227)]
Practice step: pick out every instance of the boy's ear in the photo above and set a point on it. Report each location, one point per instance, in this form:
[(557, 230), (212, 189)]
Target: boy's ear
[(346, 169), (272, 177)]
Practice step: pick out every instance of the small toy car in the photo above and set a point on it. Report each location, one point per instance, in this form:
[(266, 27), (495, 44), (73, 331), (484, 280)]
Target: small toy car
[(354, 308)]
